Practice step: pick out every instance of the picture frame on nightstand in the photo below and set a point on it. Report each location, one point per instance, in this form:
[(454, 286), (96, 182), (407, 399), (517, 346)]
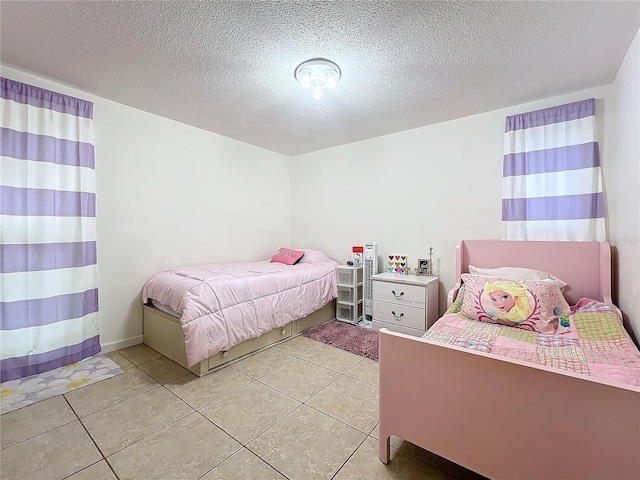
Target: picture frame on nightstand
[(397, 264), (423, 266)]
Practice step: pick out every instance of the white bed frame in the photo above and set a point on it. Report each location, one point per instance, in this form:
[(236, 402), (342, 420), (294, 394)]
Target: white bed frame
[(163, 333)]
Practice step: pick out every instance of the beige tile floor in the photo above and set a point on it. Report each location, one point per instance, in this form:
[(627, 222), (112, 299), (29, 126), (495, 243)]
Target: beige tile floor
[(299, 410)]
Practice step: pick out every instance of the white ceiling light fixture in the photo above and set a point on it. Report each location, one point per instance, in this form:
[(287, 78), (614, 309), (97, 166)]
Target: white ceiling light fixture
[(318, 74)]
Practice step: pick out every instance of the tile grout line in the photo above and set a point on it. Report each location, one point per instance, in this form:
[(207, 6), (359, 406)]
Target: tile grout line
[(276, 423), (350, 457), (266, 373), (193, 410), (331, 416), (46, 431), (341, 374), (104, 457), (288, 414), (243, 445), (257, 380), (251, 380), (328, 368), (94, 442), (150, 434), (129, 398), (291, 396)]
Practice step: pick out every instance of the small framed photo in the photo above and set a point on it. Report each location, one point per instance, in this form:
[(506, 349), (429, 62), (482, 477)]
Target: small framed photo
[(397, 264), (423, 266)]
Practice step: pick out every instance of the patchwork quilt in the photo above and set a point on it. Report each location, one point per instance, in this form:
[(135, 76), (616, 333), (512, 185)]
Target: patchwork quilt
[(596, 345)]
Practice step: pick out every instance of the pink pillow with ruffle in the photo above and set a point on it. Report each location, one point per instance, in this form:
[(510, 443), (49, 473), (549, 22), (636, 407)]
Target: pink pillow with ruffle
[(537, 306)]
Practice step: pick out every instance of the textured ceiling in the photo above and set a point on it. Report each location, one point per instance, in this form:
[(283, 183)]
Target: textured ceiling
[(228, 66)]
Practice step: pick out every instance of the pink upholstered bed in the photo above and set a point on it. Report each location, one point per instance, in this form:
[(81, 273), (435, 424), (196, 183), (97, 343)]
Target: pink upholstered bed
[(505, 417)]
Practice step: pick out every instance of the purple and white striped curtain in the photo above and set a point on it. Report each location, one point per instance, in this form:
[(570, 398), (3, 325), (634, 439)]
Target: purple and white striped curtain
[(552, 183), (48, 282)]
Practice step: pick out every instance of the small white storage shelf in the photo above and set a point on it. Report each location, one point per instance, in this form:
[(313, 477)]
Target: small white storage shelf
[(349, 303)]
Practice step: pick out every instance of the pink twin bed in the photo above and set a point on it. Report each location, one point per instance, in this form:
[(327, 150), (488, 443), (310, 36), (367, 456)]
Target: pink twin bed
[(512, 403), (208, 315)]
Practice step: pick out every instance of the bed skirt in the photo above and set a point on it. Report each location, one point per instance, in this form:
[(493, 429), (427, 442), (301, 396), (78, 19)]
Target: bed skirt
[(163, 333)]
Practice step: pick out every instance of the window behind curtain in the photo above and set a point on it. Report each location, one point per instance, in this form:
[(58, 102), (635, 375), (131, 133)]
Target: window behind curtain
[(48, 255), (552, 180)]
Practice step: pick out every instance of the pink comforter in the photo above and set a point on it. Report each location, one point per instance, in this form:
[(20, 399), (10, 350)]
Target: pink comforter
[(222, 305)]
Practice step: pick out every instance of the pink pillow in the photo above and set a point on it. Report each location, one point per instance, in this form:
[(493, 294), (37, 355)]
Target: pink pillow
[(535, 305), (287, 256)]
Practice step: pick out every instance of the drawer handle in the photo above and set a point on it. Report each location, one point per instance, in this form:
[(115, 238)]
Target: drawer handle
[(398, 297), (397, 317)]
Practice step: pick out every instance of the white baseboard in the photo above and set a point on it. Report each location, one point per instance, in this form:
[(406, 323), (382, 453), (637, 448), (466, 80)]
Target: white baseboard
[(113, 346)]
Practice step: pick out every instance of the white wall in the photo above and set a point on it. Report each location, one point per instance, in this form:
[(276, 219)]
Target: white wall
[(432, 186), (624, 138), (171, 195)]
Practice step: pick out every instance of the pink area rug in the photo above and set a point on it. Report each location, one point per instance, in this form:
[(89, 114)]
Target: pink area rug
[(351, 338)]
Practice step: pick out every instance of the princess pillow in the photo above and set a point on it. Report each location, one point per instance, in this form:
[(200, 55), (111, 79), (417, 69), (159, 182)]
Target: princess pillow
[(527, 304)]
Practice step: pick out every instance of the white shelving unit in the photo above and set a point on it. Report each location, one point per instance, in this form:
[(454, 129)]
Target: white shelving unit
[(349, 303)]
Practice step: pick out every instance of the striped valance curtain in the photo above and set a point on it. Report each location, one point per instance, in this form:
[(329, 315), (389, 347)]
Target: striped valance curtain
[(48, 284), (552, 182)]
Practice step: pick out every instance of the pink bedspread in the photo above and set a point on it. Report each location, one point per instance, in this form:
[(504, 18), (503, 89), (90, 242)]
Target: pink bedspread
[(597, 344), (222, 305)]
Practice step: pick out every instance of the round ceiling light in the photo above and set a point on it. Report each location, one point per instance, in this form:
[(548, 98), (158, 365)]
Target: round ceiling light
[(318, 74)]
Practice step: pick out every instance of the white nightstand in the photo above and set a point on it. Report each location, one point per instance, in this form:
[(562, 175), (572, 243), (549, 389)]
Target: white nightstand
[(349, 303), (404, 303)]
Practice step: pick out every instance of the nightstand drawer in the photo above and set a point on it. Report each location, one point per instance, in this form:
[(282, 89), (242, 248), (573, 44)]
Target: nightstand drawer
[(397, 328), (396, 314), (397, 293)]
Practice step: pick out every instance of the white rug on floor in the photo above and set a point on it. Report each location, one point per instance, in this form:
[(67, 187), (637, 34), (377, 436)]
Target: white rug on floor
[(19, 393)]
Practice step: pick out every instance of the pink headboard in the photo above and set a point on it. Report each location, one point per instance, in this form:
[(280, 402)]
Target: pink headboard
[(585, 266)]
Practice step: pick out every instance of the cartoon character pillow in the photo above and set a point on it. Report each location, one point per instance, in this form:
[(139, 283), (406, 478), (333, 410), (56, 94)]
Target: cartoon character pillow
[(530, 305)]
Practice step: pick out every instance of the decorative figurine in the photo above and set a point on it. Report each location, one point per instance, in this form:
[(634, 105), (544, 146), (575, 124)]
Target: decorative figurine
[(430, 272), (417, 271)]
